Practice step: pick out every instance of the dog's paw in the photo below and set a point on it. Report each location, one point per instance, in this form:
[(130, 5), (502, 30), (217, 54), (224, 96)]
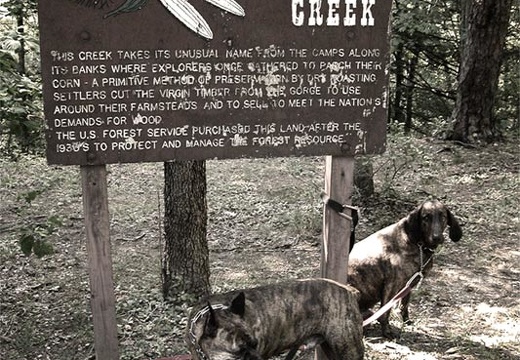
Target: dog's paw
[(391, 332)]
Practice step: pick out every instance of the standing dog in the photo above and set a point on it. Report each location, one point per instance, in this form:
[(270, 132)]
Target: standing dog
[(381, 265), (262, 322)]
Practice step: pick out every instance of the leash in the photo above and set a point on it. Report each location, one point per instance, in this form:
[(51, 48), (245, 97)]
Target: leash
[(404, 291), (340, 209)]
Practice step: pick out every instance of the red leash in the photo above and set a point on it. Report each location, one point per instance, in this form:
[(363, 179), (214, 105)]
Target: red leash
[(398, 297)]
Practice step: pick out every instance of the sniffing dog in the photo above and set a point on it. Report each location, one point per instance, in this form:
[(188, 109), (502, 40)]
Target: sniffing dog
[(381, 265), (266, 321)]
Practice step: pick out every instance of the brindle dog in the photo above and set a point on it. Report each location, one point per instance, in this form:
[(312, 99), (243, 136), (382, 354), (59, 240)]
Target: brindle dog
[(381, 265), (266, 321)]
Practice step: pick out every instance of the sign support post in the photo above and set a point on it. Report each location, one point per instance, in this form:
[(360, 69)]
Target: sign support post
[(97, 228), (339, 182)]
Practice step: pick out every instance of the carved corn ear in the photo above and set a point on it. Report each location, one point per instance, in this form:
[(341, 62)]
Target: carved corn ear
[(189, 16), (230, 6)]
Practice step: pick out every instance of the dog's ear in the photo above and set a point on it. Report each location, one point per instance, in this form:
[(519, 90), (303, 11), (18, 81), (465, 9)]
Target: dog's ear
[(211, 324), (455, 229), (238, 305), (412, 225)]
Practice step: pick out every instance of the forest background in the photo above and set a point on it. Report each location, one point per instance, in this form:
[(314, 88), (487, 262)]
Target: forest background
[(264, 215)]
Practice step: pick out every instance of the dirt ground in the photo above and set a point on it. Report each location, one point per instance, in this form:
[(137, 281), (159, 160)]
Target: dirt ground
[(265, 218)]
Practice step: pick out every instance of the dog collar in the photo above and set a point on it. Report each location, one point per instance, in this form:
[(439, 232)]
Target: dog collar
[(196, 317), (421, 254)]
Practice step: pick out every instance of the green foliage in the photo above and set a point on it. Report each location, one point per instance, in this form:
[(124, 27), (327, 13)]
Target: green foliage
[(21, 114), (508, 102), (429, 33), (34, 231)]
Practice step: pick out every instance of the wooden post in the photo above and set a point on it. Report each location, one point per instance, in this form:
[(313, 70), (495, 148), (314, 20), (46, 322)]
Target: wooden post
[(97, 227), (339, 182)]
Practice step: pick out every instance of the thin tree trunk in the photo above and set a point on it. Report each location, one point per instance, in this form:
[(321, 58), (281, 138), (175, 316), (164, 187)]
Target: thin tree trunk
[(21, 50), (25, 132), (399, 76), (412, 65), (487, 24), (185, 267)]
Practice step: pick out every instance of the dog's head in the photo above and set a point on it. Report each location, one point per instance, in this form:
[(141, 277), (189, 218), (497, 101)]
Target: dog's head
[(221, 333), (426, 223)]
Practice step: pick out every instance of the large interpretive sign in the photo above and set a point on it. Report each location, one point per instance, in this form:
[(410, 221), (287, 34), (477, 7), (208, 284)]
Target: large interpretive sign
[(155, 80)]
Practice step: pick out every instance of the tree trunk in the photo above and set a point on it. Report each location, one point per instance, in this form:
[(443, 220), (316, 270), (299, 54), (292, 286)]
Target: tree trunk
[(185, 266), (412, 65), (487, 24), (399, 78), (20, 28)]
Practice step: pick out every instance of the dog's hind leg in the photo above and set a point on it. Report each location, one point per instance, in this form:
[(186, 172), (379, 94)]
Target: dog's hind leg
[(345, 351), (308, 344), (345, 343), (331, 352)]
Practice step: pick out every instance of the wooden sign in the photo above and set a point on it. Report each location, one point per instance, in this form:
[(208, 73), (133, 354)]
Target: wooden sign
[(155, 80)]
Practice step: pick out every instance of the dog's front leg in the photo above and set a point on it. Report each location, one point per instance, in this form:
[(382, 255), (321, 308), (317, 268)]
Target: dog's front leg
[(404, 309), (385, 325), (384, 319)]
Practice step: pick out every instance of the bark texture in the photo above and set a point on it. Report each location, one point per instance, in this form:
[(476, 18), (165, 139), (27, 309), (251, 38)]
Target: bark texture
[(185, 266), (483, 44)]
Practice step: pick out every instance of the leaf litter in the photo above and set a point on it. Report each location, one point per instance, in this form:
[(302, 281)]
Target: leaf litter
[(265, 226)]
